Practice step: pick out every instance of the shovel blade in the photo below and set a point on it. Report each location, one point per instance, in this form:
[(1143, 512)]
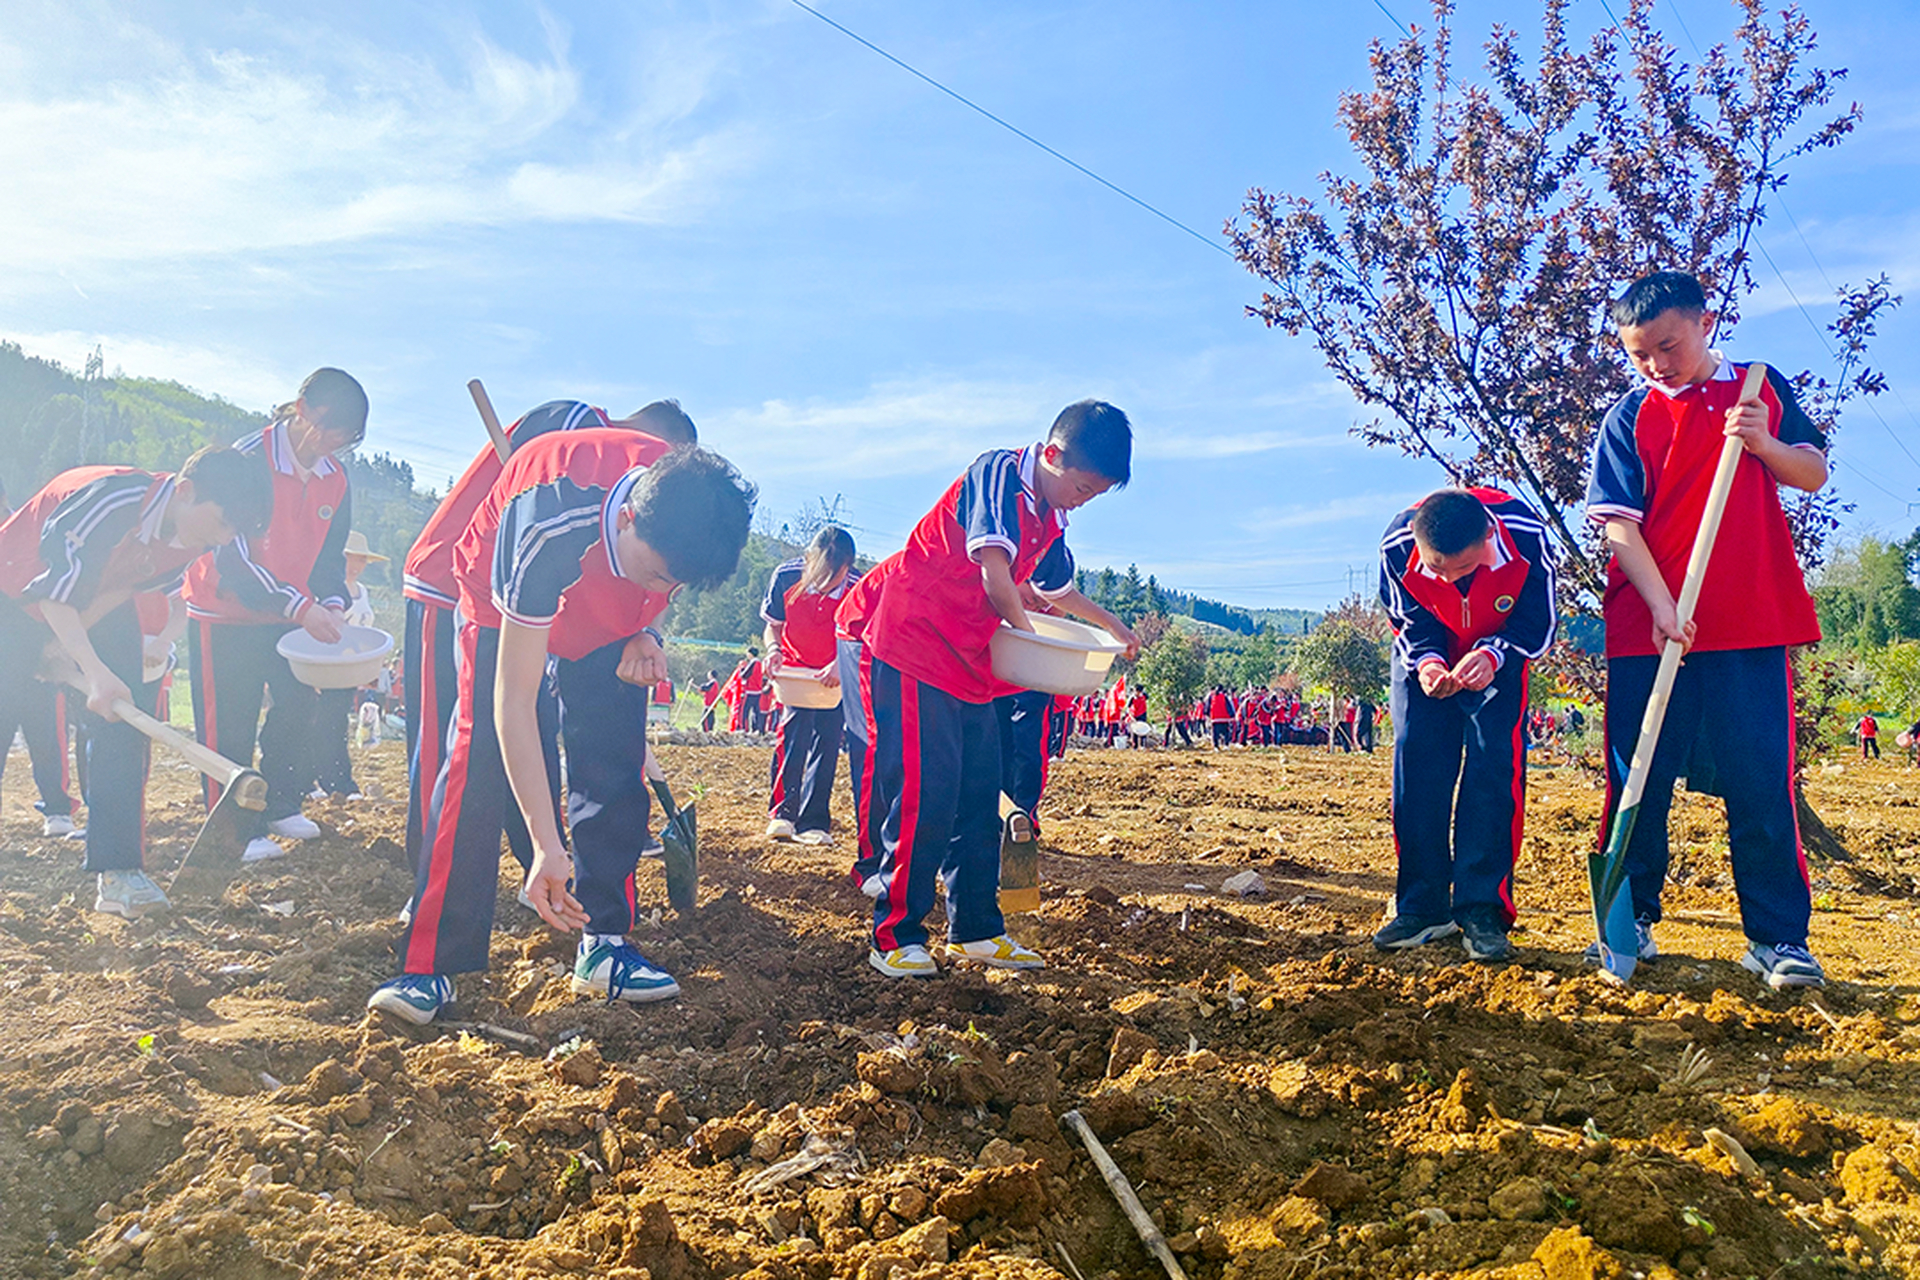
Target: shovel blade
[(682, 861), (223, 836), (1613, 904), (1019, 874)]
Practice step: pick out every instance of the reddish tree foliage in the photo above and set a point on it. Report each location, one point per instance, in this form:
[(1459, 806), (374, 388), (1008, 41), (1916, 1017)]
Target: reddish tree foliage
[(1457, 284)]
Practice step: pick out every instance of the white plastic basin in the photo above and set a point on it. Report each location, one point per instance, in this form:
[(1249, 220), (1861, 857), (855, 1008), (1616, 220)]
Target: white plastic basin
[(796, 687), (353, 660), (1057, 656)]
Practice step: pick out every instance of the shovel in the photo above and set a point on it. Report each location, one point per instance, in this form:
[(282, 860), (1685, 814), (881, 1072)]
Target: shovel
[(222, 837), (1019, 861), (1607, 872), (680, 838)]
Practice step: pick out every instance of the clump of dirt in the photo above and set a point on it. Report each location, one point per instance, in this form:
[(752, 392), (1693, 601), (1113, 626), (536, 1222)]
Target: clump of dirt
[(201, 1094)]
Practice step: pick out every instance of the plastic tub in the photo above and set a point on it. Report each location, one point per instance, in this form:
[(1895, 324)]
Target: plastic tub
[(353, 660), (1057, 656), (799, 687)]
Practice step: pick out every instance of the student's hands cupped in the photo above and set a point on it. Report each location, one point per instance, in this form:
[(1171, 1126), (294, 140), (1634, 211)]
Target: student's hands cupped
[(642, 661), (1436, 681), (1475, 671), (103, 691), (323, 623), (547, 890)]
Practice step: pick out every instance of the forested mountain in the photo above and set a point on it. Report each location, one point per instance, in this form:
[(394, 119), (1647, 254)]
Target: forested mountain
[(52, 419)]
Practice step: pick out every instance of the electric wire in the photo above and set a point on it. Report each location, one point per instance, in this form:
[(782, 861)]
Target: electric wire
[(1016, 131)]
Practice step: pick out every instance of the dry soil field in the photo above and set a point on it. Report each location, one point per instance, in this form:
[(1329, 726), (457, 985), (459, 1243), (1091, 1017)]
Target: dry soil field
[(202, 1095)]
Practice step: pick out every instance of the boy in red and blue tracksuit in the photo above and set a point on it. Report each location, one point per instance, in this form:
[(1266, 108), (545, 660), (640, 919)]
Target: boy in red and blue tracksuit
[(577, 547), (1652, 468), (432, 591), (252, 592), (802, 596), (73, 560), (925, 617), (1466, 577)]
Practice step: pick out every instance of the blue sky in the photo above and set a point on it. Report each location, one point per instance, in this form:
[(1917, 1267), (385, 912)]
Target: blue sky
[(853, 283)]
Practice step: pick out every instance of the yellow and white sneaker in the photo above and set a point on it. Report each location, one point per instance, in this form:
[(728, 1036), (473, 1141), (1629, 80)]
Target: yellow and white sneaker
[(997, 953), (779, 829), (904, 962)]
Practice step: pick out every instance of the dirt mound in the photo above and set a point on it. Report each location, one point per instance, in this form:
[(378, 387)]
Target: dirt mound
[(202, 1095)]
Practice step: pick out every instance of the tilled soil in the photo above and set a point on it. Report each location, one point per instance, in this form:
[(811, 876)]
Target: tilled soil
[(202, 1093)]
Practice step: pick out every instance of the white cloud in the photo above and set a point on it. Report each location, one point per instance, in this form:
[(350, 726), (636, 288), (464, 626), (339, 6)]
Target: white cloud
[(223, 151), (897, 428), (1378, 506)]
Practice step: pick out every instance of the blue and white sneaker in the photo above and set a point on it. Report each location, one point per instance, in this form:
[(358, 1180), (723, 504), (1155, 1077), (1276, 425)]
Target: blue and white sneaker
[(617, 971), (1784, 964), (1642, 932), (417, 997)]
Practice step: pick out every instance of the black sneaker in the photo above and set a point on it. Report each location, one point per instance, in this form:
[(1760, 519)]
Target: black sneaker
[(1485, 941), (1403, 933)]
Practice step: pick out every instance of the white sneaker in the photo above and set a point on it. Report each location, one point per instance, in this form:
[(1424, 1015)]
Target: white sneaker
[(295, 826), (129, 894), (78, 833), (1000, 952), (259, 849), (57, 824), (355, 797), (814, 836), (904, 962), (318, 793), (779, 829), (874, 885)]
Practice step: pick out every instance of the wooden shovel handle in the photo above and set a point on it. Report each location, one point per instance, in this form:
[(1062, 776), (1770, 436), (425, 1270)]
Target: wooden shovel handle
[(495, 432), (203, 758)]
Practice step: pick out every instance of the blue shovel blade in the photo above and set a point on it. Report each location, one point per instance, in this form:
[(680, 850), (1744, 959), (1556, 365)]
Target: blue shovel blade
[(1619, 940)]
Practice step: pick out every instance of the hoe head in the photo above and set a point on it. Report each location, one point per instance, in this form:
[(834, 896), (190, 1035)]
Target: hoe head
[(223, 836)]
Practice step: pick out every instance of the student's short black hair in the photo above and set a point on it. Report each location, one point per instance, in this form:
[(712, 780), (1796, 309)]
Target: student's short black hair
[(1450, 521), (338, 398), (693, 508), (1654, 295), (666, 420), (238, 483), (1094, 436)]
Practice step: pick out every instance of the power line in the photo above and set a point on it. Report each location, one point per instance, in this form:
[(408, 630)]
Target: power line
[(1395, 21), (1017, 132)]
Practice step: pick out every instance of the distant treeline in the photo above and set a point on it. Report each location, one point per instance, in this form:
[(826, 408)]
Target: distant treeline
[(52, 419)]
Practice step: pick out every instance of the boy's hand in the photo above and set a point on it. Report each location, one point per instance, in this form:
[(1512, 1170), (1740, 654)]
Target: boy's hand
[(1750, 422), (322, 623), (547, 890), (642, 661), (1124, 634), (1475, 671), (830, 675), (1437, 681), (103, 690), (1666, 627)]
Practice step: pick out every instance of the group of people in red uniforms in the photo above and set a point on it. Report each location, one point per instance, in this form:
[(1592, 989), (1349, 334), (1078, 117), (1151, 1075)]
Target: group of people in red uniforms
[(532, 590)]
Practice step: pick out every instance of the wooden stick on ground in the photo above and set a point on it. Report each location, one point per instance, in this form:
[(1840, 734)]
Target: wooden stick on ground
[(1123, 1192)]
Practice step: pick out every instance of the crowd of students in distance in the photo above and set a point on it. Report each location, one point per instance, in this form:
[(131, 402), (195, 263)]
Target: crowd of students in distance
[(532, 590)]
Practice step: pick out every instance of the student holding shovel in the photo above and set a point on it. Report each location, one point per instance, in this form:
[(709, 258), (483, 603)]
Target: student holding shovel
[(72, 559), (1657, 450)]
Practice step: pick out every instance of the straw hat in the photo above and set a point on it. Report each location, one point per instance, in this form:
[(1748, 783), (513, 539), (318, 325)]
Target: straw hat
[(357, 546)]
